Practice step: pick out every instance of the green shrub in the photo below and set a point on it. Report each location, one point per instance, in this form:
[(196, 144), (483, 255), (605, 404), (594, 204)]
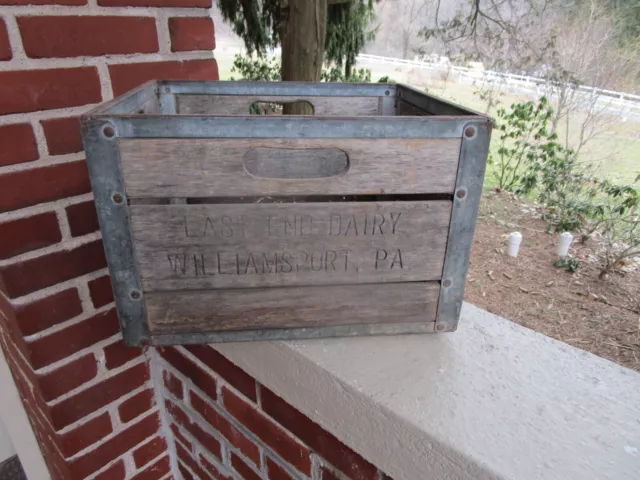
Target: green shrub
[(521, 131), (268, 69)]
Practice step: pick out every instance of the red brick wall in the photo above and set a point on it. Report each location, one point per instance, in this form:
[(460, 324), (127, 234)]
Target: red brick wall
[(90, 400), (101, 410), (226, 425)]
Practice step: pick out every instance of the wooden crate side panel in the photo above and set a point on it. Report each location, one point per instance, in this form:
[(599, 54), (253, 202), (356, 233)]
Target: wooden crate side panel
[(409, 109), (216, 167), (240, 104), (188, 247), (299, 307)]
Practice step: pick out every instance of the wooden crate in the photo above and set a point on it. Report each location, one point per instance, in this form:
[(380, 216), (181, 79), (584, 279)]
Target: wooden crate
[(222, 226)]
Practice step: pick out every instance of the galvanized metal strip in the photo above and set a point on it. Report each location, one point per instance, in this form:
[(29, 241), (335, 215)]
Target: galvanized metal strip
[(103, 160), (293, 333), (168, 103), (127, 103), (431, 104), (181, 126), (466, 200), (280, 88)]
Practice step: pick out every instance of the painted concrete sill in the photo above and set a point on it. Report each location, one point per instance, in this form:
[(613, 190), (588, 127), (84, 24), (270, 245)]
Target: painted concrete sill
[(493, 400)]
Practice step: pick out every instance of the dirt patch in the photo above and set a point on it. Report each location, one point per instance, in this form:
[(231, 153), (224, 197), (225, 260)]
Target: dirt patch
[(600, 316)]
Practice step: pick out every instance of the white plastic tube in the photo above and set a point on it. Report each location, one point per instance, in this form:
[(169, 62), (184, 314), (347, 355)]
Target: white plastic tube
[(564, 241), (515, 239)]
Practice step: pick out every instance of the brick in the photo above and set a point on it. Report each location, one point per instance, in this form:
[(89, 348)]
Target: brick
[(43, 2), (326, 474), (276, 472), (149, 451), (188, 460), (82, 218), (226, 428), (101, 291), (270, 433), (318, 439), (156, 3), (115, 446), (180, 437), (136, 405), (5, 45), (49, 311), (32, 90), (155, 471), (124, 77), (117, 354), (189, 369), (114, 472), (35, 274), (173, 384), (87, 36), (68, 377), (27, 234), (191, 33), (30, 187), (245, 471), (97, 396), (234, 375), (212, 469), (10, 335), (84, 435), (62, 134), (63, 343), (18, 144), (205, 439), (186, 475)]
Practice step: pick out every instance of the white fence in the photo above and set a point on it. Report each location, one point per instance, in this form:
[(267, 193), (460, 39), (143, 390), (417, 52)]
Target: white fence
[(618, 101)]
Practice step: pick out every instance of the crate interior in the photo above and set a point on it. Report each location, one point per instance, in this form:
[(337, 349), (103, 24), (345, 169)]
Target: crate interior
[(271, 98)]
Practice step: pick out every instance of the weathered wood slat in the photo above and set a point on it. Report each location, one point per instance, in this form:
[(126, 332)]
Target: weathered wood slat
[(188, 247), (216, 167), (240, 104), (296, 163), (409, 109), (303, 307)]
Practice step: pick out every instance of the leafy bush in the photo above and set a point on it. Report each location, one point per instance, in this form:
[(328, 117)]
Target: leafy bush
[(256, 69), (336, 74), (571, 265), (617, 219), (268, 69), (565, 187), (522, 131)]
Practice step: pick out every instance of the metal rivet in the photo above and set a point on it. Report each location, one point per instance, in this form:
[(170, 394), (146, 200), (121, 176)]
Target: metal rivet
[(461, 193), (447, 283), (135, 294), (469, 132), (117, 198), (440, 327), (108, 131), (387, 93)]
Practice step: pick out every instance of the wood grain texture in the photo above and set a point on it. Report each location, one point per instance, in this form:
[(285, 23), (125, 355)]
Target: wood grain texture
[(294, 163), (299, 307), (215, 167), (409, 109), (240, 104), (188, 247)]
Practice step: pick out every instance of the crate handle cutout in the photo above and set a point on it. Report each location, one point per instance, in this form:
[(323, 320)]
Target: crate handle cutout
[(270, 107), (296, 163)]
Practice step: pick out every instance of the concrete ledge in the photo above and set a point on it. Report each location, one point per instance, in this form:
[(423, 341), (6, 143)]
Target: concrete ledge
[(491, 401)]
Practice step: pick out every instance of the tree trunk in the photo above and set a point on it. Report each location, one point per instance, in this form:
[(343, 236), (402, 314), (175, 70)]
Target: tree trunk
[(302, 34)]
